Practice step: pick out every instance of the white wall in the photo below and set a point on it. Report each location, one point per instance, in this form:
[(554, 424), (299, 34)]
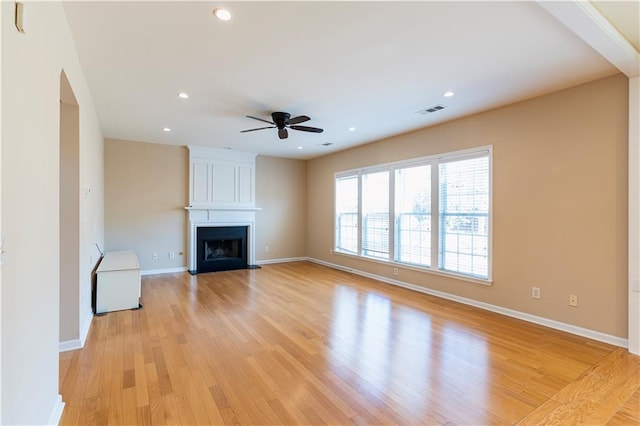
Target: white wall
[(31, 67)]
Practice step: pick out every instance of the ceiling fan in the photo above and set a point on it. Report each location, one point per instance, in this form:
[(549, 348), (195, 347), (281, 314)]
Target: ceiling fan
[(283, 121)]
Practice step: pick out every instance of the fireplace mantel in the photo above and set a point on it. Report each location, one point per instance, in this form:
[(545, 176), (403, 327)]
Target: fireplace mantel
[(255, 209)]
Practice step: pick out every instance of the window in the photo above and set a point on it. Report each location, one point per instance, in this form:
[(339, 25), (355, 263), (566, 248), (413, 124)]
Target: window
[(431, 212), (413, 215), (375, 214), (347, 214), (464, 216)]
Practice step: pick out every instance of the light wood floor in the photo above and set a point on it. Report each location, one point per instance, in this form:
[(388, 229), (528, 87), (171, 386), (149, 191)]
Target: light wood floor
[(300, 343)]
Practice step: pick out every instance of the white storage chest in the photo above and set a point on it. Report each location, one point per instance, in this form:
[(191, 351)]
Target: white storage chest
[(118, 285)]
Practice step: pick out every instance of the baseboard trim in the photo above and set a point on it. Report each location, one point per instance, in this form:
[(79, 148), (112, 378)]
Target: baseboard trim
[(284, 260), (557, 325), (84, 332), (56, 413), (72, 345), (163, 271)]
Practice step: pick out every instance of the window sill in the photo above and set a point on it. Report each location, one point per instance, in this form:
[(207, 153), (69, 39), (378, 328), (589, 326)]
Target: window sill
[(487, 282)]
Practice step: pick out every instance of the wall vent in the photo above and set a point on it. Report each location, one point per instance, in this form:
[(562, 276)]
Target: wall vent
[(431, 110)]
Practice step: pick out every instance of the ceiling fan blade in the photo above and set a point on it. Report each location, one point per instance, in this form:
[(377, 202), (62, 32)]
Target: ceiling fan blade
[(259, 128), (260, 119), (299, 119), (307, 129), (283, 134)]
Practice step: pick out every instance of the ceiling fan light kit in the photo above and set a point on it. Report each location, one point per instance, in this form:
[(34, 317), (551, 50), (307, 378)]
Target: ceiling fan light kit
[(283, 121)]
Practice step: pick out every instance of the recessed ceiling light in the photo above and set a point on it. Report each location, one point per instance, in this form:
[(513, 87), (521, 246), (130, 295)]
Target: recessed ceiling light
[(352, 129), (299, 147), (448, 94), (222, 14), (166, 129), (183, 95)]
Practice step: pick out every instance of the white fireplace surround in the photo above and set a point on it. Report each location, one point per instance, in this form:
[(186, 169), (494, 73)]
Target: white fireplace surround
[(220, 217), (221, 193)]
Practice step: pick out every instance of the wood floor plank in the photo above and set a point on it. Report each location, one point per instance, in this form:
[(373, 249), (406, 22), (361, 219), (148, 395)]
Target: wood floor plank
[(629, 414), (299, 343)]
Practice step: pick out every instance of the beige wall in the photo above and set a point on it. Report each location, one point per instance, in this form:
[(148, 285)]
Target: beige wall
[(145, 196), (559, 203), (281, 194), (31, 67), (69, 221), (146, 190)]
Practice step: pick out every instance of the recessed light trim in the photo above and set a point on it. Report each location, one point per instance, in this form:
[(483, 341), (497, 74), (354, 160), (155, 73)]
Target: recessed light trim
[(183, 95), (166, 129), (448, 94), (222, 14)]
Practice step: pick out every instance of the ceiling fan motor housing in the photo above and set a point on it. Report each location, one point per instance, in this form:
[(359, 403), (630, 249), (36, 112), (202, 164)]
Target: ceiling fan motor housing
[(280, 119)]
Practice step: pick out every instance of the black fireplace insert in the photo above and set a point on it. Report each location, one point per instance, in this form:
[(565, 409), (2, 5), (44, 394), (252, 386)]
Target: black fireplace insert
[(221, 248)]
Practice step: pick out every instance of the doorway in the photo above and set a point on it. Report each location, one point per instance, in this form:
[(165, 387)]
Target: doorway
[(69, 175)]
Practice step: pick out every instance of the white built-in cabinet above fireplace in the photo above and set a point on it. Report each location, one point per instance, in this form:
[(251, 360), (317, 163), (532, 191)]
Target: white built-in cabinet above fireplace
[(221, 179), (221, 194)]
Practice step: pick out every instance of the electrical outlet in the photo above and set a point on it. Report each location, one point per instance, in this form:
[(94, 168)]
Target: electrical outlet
[(266, 249), (573, 300), (395, 271), (172, 255), (535, 292), (154, 256)]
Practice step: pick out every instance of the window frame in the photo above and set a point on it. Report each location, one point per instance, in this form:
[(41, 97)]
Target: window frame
[(434, 161)]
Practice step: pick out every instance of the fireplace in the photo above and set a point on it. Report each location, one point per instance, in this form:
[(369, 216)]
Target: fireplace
[(221, 210), (221, 248)]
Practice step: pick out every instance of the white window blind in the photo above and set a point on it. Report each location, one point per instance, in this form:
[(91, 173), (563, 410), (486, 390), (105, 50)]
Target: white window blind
[(413, 215), (464, 216), (430, 212), (346, 200), (375, 214)]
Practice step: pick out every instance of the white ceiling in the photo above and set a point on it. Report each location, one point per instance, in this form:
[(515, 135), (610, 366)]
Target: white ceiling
[(370, 65)]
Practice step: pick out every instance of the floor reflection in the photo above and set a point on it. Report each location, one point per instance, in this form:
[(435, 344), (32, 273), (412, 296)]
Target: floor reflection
[(466, 362), (374, 348), (398, 354)]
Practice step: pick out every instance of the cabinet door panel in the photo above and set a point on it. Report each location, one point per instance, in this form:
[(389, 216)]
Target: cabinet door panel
[(245, 185), (224, 184), (201, 183)]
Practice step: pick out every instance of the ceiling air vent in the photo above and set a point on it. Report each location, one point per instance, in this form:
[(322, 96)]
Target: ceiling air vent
[(326, 144), (430, 110)]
